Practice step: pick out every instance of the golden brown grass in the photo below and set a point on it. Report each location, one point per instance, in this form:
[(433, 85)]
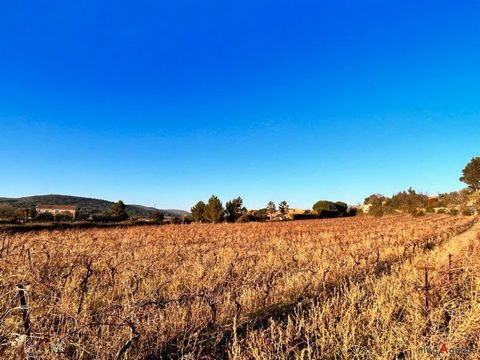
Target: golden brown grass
[(326, 289)]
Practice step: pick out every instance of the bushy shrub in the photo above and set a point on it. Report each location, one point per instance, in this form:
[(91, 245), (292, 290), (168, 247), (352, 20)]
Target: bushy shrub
[(327, 214), (376, 211), (7, 212), (44, 217), (63, 217), (441, 211), (104, 217), (453, 212), (341, 208), (243, 218), (352, 211), (157, 216), (305, 216), (468, 212)]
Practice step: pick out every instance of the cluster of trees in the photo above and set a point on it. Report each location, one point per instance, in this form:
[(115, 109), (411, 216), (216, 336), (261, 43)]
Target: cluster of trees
[(234, 211), (8, 213), (116, 213), (214, 211), (271, 208), (330, 209), (405, 202), (416, 203), (11, 214), (419, 204)]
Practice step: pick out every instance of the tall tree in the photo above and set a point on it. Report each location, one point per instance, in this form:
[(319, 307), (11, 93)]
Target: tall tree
[(214, 210), (271, 209), (118, 210), (198, 211), (283, 207), (234, 209), (471, 174)]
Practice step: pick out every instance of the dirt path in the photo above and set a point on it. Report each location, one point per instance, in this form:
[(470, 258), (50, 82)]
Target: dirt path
[(452, 250)]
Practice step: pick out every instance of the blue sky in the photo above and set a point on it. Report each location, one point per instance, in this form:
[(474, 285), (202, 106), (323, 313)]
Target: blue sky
[(166, 103)]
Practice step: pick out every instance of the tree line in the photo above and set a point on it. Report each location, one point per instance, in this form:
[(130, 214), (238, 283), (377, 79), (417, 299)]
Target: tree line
[(213, 211), (418, 204)]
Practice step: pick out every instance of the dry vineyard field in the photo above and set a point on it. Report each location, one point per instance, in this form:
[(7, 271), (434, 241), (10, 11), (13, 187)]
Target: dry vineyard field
[(356, 288)]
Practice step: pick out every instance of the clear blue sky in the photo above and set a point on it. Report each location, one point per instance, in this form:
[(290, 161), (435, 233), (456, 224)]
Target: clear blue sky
[(168, 102)]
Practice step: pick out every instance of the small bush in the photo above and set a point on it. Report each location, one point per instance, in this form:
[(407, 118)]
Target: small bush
[(453, 212), (305, 216), (44, 217), (352, 211), (243, 218), (441, 211), (327, 214), (468, 212)]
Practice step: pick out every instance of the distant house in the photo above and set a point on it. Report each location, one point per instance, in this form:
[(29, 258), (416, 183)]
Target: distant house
[(57, 210)]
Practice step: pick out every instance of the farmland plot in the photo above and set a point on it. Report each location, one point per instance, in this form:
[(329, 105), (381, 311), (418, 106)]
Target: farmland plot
[(257, 290)]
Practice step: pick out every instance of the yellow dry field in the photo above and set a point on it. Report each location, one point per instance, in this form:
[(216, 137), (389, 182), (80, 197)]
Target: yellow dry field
[(353, 288)]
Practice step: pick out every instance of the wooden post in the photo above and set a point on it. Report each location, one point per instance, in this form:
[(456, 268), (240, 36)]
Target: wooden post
[(26, 323)]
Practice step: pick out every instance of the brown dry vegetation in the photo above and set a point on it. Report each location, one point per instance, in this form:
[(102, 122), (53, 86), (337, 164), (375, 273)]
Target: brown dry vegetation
[(323, 289)]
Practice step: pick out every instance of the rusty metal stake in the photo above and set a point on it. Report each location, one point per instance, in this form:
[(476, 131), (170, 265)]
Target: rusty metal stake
[(449, 267), (26, 323)]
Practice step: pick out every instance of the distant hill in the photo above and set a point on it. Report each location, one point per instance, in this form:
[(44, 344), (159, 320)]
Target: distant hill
[(84, 204)]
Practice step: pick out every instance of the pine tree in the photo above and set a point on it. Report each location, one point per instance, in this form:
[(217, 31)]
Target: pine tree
[(283, 207), (471, 174), (118, 210), (234, 209), (271, 209), (214, 210), (198, 211)]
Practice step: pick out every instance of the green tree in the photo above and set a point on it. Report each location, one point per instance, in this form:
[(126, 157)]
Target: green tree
[(324, 205), (234, 209), (271, 209), (342, 208), (198, 211), (471, 174), (157, 216), (214, 210), (283, 207), (118, 211), (375, 200)]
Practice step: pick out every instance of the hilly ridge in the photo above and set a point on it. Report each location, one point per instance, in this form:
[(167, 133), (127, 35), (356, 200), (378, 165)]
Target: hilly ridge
[(89, 205)]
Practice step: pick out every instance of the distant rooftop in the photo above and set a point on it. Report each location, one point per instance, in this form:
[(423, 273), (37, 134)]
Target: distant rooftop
[(56, 207)]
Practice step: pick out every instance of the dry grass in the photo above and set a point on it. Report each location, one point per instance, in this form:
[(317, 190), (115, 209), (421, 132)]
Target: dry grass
[(327, 289)]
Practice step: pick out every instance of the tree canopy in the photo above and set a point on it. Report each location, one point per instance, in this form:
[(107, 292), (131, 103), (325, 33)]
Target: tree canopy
[(118, 210), (214, 210), (198, 211), (324, 205), (234, 209), (283, 207), (471, 174)]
